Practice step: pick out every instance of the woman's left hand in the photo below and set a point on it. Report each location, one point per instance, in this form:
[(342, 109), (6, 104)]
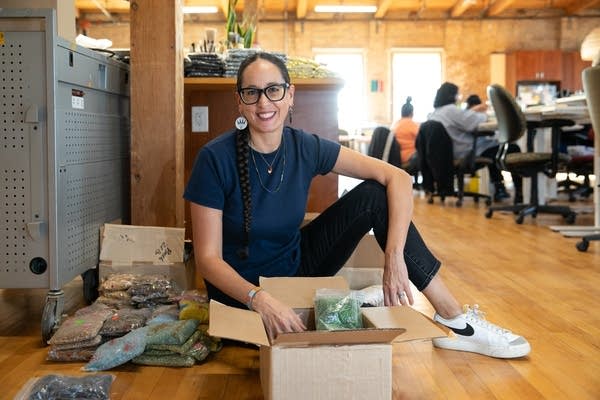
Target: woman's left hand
[(396, 285)]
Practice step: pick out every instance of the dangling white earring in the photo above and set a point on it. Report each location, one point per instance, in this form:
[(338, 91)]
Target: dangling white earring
[(241, 123)]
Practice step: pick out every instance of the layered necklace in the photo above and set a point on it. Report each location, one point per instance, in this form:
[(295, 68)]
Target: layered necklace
[(269, 166)]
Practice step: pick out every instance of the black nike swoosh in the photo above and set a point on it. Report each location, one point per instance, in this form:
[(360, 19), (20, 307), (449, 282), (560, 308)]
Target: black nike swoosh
[(466, 331)]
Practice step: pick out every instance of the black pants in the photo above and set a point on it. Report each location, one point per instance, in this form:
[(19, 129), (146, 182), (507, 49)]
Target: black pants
[(328, 241), (495, 174)]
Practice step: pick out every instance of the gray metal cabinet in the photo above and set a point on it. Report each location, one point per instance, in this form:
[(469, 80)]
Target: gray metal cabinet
[(64, 156)]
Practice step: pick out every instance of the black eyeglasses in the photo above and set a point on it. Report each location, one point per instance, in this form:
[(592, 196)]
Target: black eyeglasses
[(272, 92)]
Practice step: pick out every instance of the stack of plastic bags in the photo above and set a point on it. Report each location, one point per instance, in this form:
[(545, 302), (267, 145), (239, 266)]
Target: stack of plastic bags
[(78, 336), (139, 291), (302, 67), (234, 57)]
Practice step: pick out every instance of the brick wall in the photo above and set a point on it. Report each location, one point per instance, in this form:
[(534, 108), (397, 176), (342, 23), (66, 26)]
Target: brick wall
[(467, 44)]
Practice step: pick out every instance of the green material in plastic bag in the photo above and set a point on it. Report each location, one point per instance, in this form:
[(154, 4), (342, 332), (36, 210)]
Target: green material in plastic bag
[(337, 310)]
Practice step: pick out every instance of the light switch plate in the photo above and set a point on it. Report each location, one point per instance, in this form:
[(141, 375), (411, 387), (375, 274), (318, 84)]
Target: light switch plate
[(199, 119)]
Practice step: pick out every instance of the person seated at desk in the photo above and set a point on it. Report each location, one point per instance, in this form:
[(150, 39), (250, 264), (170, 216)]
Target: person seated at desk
[(459, 124), (405, 130), (474, 103)]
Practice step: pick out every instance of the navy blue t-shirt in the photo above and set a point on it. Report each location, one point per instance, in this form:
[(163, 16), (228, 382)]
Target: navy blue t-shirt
[(274, 248)]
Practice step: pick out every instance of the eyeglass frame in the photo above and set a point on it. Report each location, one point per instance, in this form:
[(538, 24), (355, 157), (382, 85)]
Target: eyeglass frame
[(262, 91)]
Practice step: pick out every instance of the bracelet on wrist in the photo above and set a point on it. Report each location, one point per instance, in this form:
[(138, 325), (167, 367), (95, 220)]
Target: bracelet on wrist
[(251, 295)]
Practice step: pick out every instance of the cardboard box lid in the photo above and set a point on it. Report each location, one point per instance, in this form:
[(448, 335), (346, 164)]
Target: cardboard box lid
[(129, 244), (300, 292), (418, 326), (390, 323)]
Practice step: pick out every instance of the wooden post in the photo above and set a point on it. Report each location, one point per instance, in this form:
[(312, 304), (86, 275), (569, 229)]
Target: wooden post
[(157, 140)]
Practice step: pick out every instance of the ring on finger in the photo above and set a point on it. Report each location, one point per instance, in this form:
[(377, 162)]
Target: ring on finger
[(402, 294)]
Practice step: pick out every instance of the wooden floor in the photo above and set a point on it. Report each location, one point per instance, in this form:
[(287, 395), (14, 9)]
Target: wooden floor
[(526, 277)]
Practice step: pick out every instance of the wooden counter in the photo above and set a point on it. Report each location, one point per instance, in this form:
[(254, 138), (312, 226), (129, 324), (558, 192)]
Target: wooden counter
[(315, 111)]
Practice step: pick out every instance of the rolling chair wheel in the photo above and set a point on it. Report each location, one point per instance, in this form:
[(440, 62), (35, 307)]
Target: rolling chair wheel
[(570, 218), (519, 219), (476, 199), (583, 245), (430, 200), (489, 213), (488, 202), (459, 203)]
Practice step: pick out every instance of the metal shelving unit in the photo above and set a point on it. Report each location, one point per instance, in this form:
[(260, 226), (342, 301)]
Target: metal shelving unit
[(64, 156)]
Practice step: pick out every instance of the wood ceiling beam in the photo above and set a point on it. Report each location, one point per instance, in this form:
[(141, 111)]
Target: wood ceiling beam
[(498, 7), (460, 7), (382, 8), (579, 5), (301, 9)]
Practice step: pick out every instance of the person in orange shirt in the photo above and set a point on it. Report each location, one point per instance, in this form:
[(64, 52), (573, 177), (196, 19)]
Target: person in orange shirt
[(406, 130)]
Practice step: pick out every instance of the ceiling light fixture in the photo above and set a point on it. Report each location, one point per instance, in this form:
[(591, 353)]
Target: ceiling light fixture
[(345, 9), (200, 9)]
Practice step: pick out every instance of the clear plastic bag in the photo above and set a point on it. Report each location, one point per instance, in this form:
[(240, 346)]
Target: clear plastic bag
[(124, 321), (337, 310), (55, 387), (118, 351), (83, 326), (371, 296)]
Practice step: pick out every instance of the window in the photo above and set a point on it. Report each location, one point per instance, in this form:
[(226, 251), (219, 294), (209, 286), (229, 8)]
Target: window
[(416, 73), (349, 65)]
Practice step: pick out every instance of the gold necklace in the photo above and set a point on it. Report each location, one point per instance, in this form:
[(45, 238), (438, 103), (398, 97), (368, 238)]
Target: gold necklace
[(258, 173), (269, 165)]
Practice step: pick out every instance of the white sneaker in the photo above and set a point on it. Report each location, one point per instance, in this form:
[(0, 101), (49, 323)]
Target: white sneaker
[(471, 332)]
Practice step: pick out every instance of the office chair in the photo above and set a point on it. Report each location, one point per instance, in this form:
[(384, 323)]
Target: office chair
[(591, 85), (384, 146), (511, 127), (438, 167), (580, 164)]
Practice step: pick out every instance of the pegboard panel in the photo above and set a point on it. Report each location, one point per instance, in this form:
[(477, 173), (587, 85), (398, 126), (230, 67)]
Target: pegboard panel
[(14, 219), (92, 194), (11, 96), (21, 83), (91, 137)]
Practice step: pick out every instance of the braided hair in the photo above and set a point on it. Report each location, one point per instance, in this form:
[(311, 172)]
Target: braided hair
[(243, 151), (243, 147)]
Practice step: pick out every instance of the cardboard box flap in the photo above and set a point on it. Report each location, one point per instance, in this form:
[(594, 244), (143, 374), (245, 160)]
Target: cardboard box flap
[(235, 323), (346, 337), (300, 292), (127, 244), (418, 326)]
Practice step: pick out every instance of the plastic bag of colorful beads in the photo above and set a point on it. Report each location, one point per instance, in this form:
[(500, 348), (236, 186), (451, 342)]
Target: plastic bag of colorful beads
[(114, 282), (80, 354), (54, 386), (123, 321), (82, 327), (177, 332), (118, 351)]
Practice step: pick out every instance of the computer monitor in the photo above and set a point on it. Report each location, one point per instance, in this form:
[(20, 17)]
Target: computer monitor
[(537, 93)]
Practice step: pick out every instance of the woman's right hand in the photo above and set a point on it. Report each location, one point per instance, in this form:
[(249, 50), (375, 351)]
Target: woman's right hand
[(277, 316)]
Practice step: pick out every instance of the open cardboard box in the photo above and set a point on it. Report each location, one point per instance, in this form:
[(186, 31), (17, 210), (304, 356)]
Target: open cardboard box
[(145, 250), (348, 364)]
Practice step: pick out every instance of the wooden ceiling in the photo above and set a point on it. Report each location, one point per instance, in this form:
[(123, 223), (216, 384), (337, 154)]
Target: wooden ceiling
[(276, 10)]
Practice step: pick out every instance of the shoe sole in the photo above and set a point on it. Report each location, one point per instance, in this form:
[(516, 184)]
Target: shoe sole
[(497, 352)]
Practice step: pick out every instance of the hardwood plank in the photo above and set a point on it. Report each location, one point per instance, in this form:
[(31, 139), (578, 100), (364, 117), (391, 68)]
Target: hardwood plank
[(525, 277)]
